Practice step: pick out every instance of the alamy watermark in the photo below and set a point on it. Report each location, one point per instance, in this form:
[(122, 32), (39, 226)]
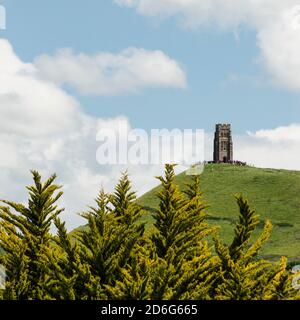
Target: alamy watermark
[(2, 18), (2, 277), (124, 146)]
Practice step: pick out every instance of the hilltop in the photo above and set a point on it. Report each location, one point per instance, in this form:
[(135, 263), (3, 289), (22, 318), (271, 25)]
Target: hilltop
[(274, 194)]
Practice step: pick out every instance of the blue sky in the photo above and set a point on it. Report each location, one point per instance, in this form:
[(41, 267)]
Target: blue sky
[(210, 58)]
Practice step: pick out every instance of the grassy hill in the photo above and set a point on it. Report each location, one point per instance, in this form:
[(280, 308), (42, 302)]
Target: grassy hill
[(275, 194)]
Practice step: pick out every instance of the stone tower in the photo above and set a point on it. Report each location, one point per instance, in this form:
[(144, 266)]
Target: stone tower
[(223, 151)]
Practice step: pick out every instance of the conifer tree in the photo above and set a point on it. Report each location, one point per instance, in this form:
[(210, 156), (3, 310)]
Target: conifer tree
[(241, 274), (113, 234), (25, 236), (69, 277), (183, 256), (102, 253)]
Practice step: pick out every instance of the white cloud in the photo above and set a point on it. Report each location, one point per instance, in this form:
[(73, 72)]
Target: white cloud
[(129, 71), (264, 153), (280, 45), (26, 100), (285, 134), (221, 13), (277, 24)]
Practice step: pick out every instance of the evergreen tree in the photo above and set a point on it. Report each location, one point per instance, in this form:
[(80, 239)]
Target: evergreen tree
[(183, 257), (109, 242), (69, 276), (90, 266), (25, 236), (242, 275)]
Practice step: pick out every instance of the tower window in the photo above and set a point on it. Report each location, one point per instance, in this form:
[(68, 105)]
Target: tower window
[(223, 146)]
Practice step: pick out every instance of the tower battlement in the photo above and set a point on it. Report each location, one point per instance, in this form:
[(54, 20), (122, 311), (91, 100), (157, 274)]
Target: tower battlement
[(223, 126)]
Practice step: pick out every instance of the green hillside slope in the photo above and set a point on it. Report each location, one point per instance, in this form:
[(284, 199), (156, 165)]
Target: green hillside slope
[(275, 194)]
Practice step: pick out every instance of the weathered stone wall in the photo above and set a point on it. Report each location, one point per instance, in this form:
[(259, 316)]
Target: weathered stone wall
[(223, 146)]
